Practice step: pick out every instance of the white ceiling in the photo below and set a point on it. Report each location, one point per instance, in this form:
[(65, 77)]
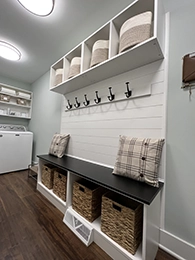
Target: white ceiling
[(43, 40)]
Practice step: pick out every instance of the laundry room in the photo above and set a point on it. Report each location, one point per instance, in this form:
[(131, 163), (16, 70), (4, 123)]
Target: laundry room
[(97, 130)]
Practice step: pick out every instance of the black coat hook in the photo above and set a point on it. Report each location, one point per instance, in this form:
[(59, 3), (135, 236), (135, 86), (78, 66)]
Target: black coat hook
[(87, 102), (69, 105), (111, 97), (97, 99), (128, 93), (77, 103)]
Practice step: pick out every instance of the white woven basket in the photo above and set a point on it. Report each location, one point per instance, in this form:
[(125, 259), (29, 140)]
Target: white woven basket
[(99, 52), (58, 77), (75, 67), (135, 30)]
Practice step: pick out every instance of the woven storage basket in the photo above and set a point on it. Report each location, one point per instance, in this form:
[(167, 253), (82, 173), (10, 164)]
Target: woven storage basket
[(58, 77), (121, 220), (99, 52), (47, 175), (5, 98), (75, 67), (135, 30), (20, 101), (59, 183), (87, 199)]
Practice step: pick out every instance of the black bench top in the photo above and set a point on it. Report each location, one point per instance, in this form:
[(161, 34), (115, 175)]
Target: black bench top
[(103, 176)]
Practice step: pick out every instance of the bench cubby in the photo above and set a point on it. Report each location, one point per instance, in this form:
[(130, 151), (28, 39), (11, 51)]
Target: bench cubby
[(148, 196)]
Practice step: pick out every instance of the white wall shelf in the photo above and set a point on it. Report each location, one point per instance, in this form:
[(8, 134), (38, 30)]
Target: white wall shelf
[(14, 116), (139, 55), (11, 108), (15, 95), (14, 104)]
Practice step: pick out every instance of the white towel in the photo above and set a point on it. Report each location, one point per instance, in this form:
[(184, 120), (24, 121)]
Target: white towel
[(7, 90), (24, 95)]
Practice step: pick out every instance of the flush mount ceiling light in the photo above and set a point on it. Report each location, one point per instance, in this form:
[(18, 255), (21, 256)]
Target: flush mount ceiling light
[(9, 52), (38, 7)]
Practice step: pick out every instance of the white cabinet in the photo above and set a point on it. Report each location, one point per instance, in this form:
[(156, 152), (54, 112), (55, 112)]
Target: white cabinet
[(141, 54), (15, 102)]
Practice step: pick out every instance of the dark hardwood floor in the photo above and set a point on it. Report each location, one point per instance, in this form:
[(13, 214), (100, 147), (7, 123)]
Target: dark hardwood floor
[(31, 228)]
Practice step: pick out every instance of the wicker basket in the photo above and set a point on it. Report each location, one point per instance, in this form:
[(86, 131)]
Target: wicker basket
[(121, 220), (5, 98), (59, 183), (47, 175), (20, 101), (75, 67), (99, 52), (87, 199), (135, 30)]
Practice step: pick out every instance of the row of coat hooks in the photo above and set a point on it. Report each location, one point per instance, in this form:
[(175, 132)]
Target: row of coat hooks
[(97, 99)]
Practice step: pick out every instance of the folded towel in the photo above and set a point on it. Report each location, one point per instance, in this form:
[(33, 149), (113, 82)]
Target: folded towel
[(7, 90), (24, 95)]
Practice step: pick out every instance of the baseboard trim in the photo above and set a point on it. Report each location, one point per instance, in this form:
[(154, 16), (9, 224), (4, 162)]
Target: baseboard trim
[(35, 163), (176, 247)]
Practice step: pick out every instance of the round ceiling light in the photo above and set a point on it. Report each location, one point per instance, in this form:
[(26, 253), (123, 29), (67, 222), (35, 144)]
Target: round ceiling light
[(9, 52), (38, 7)]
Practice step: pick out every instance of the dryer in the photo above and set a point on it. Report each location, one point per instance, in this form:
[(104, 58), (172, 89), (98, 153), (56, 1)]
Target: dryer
[(15, 148)]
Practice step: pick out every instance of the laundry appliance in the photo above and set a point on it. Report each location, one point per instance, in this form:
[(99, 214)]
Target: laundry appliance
[(15, 148)]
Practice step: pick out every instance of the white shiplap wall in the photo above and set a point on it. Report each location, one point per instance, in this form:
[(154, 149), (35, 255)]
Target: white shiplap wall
[(95, 130)]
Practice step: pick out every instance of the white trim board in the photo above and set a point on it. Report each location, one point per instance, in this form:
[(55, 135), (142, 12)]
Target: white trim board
[(176, 247), (35, 163), (167, 26)]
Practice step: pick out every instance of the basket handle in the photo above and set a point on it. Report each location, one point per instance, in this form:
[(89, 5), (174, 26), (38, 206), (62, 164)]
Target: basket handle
[(116, 207), (59, 176), (81, 188), (46, 168)]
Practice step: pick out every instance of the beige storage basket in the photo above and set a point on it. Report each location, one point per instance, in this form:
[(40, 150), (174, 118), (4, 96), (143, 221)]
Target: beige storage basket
[(121, 220), (87, 199), (59, 183), (99, 52), (58, 77), (135, 30), (21, 101), (75, 67), (4, 98), (47, 175)]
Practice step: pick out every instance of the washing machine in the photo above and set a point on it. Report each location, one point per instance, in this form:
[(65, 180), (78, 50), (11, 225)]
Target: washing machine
[(15, 148)]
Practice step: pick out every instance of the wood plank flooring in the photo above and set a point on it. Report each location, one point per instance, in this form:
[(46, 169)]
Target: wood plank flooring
[(31, 228)]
